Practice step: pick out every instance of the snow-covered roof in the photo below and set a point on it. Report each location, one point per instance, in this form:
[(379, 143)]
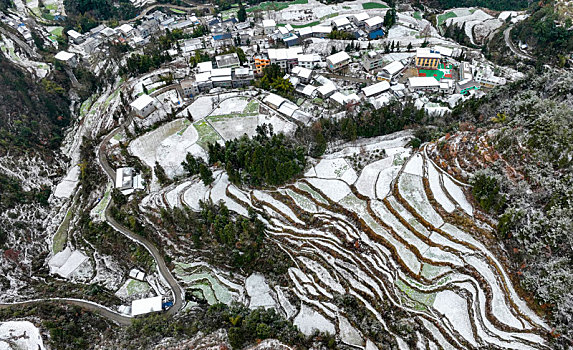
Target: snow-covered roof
[(205, 66), (427, 53), (108, 32), (393, 67), (321, 29), (305, 31), (374, 21), (202, 77), (147, 305), (341, 22), (362, 16), (64, 56), (375, 89), (269, 23), (339, 98), (302, 72), (352, 98), (309, 90), (338, 57), (274, 100), (327, 89), (73, 34), (72, 263), (242, 71), (125, 28), (284, 54), (288, 108), (141, 102), (219, 72), (289, 27), (446, 51), (283, 30), (423, 82), (311, 57)]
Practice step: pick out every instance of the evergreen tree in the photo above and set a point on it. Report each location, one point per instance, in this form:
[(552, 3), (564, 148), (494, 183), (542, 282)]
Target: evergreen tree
[(242, 13)]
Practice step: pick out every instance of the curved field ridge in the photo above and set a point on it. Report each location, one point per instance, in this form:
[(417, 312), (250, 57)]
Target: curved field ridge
[(390, 237)]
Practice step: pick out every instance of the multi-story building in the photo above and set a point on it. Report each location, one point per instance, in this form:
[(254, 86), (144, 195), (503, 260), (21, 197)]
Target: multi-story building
[(309, 61), (242, 77), (338, 61), (285, 58), (261, 61), (427, 58), (373, 60), (230, 60)]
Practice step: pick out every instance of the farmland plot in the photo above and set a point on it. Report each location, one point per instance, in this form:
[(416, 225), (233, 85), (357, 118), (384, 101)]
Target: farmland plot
[(386, 244)]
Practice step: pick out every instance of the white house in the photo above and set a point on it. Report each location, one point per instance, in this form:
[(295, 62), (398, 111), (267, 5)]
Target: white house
[(423, 83), (143, 105), (269, 26), (337, 61), (374, 23), (147, 305), (392, 69), (376, 89), (68, 58), (341, 23), (76, 37)]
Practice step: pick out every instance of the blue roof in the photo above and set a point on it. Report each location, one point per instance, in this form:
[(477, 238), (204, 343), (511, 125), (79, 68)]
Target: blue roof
[(376, 34), (222, 36)]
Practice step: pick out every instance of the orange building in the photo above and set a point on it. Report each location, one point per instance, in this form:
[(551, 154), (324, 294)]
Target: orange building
[(260, 63)]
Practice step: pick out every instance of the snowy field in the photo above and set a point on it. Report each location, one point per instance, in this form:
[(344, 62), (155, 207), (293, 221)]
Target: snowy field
[(16, 335)]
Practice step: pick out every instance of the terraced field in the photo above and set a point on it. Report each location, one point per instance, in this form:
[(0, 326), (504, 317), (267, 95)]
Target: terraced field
[(398, 232)]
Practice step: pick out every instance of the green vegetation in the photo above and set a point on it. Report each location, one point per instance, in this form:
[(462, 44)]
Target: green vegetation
[(197, 166), (369, 122), (507, 5), (225, 233), (373, 5), (273, 80), (341, 35), (100, 9), (417, 15), (266, 159), (315, 23), (275, 6), (425, 299), (444, 16), (244, 326), (487, 192), (207, 134), (549, 40), (61, 236)]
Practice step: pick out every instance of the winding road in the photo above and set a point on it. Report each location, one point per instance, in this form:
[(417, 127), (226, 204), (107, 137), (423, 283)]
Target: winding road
[(178, 294), (509, 43)]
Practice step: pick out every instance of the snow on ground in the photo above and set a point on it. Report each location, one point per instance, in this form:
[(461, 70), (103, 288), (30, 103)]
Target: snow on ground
[(323, 274), (16, 335), (172, 196), (168, 145), (455, 309), (259, 292), (231, 105), (366, 184), (65, 188), (289, 309), (436, 188), (277, 205), (336, 168), (133, 289), (456, 192), (348, 333), (201, 107), (71, 261), (195, 193), (232, 128), (218, 193), (309, 320), (333, 189), (412, 189), (415, 165), (383, 185), (279, 124)]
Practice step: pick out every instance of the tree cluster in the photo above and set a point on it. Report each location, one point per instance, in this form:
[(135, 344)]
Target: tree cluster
[(266, 159), (272, 80), (197, 166)]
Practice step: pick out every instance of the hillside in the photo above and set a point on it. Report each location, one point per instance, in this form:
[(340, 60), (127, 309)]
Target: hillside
[(522, 169)]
